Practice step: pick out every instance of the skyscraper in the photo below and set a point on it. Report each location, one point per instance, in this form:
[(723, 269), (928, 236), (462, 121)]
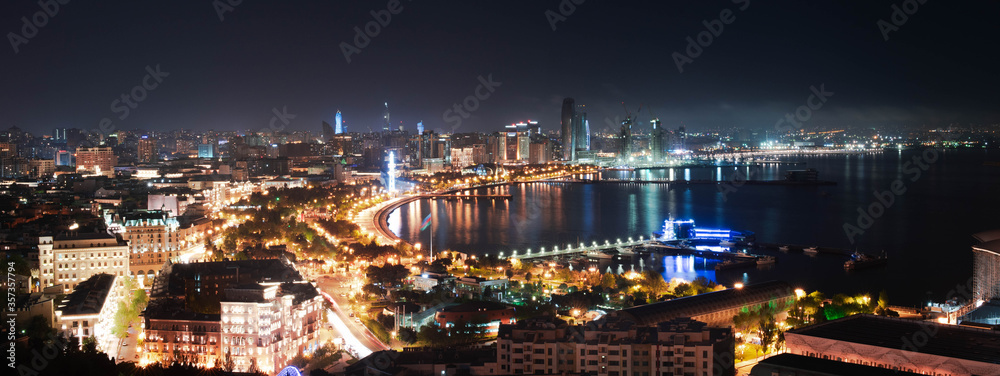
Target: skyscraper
[(581, 131), (327, 131), (387, 125), (420, 127), (568, 113), (340, 124), (656, 141)]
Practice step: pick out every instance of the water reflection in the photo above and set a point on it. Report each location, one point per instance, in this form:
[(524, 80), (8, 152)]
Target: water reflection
[(688, 268)]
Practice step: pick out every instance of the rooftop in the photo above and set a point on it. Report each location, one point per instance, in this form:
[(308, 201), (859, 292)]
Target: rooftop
[(946, 340), (651, 314), (818, 366), (88, 296)]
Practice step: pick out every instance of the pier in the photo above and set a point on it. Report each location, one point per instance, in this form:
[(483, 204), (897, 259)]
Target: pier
[(690, 182), (464, 195), (580, 248)]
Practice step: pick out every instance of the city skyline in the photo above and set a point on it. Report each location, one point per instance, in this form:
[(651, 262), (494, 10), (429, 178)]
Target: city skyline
[(745, 77)]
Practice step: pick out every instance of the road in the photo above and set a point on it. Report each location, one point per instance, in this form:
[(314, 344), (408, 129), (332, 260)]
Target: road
[(356, 336)]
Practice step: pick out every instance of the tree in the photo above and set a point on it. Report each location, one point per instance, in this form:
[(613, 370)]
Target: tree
[(767, 330), (228, 364), (653, 283), (608, 280), (744, 322)]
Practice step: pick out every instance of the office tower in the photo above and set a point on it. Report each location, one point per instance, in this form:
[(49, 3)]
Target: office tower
[(568, 112), (327, 132), (340, 123), (147, 152), (387, 125), (420, 127), (534, 128), (656, 141), (581, 130)]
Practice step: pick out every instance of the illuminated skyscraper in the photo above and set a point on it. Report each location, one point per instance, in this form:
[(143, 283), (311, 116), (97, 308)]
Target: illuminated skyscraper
[(387, 125), (340, 124), (420, 127), (581, 131)]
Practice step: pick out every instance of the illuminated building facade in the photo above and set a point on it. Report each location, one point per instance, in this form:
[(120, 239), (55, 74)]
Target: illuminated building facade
[(72, 259), (96, 160)]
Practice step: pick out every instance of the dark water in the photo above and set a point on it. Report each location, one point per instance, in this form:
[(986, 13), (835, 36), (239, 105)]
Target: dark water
[(926, 231)]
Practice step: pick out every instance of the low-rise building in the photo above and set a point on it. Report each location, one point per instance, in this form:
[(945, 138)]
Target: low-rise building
[(717, 308), (80, 313), (482, 317), (73, 258), (904, 345), (258, 313)]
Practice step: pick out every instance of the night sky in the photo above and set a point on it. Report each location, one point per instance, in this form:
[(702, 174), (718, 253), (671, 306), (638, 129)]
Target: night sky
[(938, 68)]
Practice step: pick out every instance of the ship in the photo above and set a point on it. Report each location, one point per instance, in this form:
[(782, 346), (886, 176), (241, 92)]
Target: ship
[(735, 263), (862, 261), (811, 251), (783, 248), (766, 260)]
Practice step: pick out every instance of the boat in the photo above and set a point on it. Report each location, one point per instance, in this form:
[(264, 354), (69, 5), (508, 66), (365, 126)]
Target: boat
[(737, 263), (766, 260), (783, 248), (861, 261), (811, 251)]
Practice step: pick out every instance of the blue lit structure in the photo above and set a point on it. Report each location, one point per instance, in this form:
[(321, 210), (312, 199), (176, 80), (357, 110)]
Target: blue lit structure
[(684, 229), (420, 127), (339, 127), (290, 371), (392, 172)]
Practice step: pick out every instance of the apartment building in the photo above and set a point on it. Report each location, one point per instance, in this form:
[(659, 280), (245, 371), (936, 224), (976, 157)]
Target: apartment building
[(615, 346)]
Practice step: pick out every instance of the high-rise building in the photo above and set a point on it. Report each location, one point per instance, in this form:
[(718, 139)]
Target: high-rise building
[(340, 123), (625, 137), (581, 131), (568, 113), (147, 150), (656, 141), (97, 160), (420, 127), (496, 147), (387, 125), (327, 131)]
